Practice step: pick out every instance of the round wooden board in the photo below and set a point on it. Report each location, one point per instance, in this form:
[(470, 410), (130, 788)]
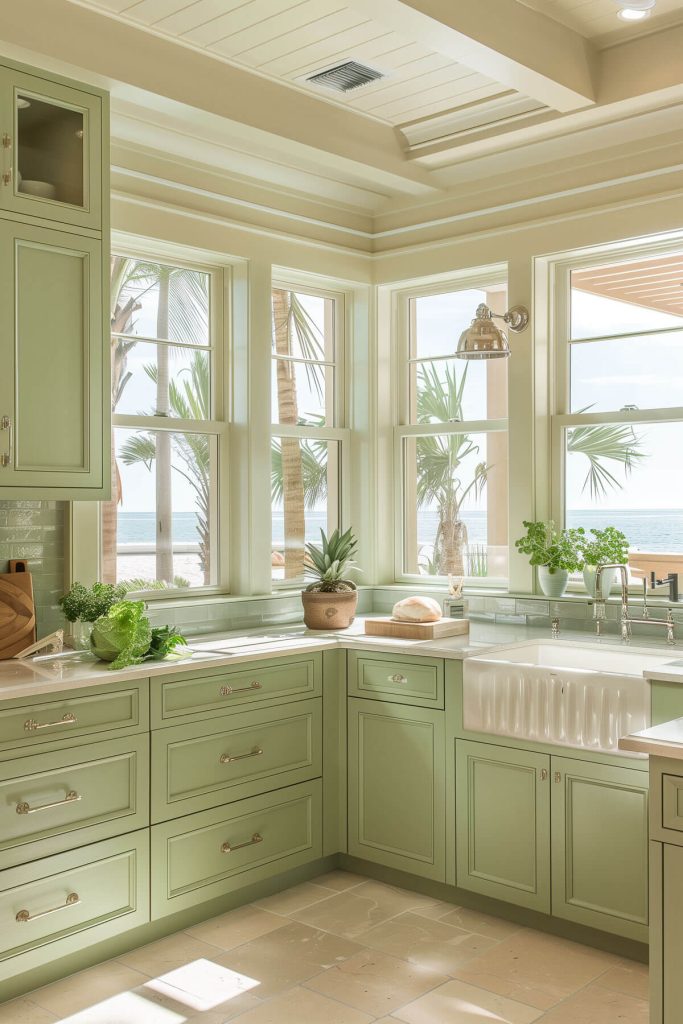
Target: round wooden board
[(17, 618)]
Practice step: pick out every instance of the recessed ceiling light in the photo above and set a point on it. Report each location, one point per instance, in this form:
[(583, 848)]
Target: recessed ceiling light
[(629, 14)]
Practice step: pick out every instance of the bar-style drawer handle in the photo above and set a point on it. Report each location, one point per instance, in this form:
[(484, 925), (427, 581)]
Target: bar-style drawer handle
[(229, 758), (225, 691), (30, 725), (71, 797), (397, 678), (71, 901), (227, 848)]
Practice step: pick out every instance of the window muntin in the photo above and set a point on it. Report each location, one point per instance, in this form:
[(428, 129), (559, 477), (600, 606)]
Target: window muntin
[(452, 442), (308, 438), (161, 528)]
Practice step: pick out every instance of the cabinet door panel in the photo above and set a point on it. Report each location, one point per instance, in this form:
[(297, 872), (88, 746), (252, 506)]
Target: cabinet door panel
[(672, 933), (53, 367), (599, 846), (503, 823), (397, 787)]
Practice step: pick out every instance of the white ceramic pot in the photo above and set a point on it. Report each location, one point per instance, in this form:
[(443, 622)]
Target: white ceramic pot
[(607, 580), (553, 584)]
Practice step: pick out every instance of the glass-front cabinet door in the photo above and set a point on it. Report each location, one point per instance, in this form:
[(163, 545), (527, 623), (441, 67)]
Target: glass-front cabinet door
[(51, 150)]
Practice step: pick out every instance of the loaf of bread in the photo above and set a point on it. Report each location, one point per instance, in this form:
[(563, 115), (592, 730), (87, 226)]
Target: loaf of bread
[(417, 609)]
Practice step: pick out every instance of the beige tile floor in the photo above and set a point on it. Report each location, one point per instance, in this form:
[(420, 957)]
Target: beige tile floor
[(346, 950)]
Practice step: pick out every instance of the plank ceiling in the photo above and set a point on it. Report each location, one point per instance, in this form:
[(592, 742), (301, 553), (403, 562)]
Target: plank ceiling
[(289, 40), (597, 19), (655, 284)]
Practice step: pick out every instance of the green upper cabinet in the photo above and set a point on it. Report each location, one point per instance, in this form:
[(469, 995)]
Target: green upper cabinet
[(54, 404), (397, 787), (503, 823), (52, 149), (599, 846)]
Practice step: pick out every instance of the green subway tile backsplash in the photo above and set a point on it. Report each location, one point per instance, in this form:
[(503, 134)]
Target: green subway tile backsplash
[(35, 530)]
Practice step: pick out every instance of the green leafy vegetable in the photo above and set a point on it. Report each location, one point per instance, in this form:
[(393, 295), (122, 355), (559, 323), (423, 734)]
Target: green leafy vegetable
[(164, 641), (88, 604), (122, 636)]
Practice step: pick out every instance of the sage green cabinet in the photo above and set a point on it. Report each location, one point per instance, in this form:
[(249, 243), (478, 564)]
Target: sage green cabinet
[(600, 846), (52, 148), (503, 823), (667, 976), (396, 786), (408, 679)]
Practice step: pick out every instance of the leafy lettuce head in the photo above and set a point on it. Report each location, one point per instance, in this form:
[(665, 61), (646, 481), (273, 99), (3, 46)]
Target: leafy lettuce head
[(123, 635)]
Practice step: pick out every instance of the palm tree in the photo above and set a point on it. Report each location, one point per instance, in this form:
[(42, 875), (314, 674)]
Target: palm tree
[(615, 443), (293, 329)]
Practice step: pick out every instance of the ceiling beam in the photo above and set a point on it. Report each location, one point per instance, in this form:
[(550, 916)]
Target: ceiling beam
[(521, 48), (130, 61)]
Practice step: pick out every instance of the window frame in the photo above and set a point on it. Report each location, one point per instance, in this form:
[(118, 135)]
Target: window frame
[(559, 365), (481, 278), (337, 431), (218, 427)]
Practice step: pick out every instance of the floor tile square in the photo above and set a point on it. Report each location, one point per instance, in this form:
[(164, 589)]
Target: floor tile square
[(301, 1006), (430, 944), (597, 1005), (87, 988), (236, 927)]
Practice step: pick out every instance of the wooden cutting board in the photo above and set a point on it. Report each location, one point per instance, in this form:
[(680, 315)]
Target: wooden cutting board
[(416, 630), (17, 613)]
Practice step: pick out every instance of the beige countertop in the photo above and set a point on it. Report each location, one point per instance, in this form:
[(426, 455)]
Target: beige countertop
[(664, 740), (76, 670)]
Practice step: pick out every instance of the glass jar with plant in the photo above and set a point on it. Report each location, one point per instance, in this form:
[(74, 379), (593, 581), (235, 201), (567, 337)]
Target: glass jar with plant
[(608, 547), (82, 605), (554, 552), (330, 600)]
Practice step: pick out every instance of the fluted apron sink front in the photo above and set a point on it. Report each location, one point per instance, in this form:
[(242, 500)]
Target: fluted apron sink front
[(560, 693)]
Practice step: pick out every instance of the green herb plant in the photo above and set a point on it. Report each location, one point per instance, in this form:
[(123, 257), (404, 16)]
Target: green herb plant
[(327, 565), (89, 603), (608, 546), (556, 549)]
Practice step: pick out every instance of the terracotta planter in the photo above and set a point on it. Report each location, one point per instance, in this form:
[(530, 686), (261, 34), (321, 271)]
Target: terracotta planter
[(329, 611)]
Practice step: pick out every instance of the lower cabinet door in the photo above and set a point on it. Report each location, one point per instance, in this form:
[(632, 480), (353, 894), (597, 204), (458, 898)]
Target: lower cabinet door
[(60, 905), (397, 787), (672, 935), (503, 823), (206, 855), (600, 846)]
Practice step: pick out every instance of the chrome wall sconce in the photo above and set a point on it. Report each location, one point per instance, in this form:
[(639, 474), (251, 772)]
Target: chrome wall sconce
[(483, 340)]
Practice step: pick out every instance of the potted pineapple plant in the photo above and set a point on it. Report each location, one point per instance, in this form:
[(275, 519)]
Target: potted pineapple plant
[(330, 599)]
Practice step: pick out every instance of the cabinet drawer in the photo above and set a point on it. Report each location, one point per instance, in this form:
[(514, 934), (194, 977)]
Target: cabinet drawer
[(206, 855), (58, 905), (53, 802), (52, 722), (672, 802), (202, 764), (408, 680), (194, 695)]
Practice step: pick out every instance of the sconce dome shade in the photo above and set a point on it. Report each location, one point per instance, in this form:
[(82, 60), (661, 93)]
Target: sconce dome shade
[(482, 339)]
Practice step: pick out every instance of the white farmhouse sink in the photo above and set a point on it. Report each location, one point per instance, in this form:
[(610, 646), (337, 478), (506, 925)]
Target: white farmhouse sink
[(560, 693)]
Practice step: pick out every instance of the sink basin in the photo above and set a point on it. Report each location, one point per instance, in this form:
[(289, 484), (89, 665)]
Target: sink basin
[(560, 693)]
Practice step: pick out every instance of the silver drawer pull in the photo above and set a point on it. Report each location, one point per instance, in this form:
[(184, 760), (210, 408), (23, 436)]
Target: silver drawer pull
[(229, 758), (225, 691), (71, 901), (30, 725), (71, 797), (397, 678), (227, 848)]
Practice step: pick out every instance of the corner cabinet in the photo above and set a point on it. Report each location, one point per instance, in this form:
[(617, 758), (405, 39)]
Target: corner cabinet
[(55, 434)]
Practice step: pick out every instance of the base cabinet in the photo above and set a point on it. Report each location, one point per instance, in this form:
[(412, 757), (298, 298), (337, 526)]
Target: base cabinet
[(396, 797), (600, 846), (503, 823)]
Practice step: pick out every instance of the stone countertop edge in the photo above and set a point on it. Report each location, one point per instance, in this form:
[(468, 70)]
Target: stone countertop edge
[(664, 740), (22, 679)]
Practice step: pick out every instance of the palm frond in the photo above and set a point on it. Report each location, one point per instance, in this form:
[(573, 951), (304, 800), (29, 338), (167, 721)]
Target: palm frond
[(615, 443)]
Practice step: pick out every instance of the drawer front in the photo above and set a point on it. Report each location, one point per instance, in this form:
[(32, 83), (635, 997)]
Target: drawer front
[(58, 905), (408, 680), (202, 764), (51, 723), (53, 802), (206, 855), (194, 695), (672, 802)]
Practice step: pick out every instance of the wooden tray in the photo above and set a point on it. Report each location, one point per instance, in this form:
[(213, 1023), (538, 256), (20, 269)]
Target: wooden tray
[(416, 630), (17, 613)]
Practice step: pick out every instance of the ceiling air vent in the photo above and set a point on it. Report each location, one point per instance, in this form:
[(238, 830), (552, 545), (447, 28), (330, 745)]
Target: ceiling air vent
[(345, 77)]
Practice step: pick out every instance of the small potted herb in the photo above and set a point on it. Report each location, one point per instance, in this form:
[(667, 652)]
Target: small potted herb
[(554, 552), (82, 605), (330, 600), (608, 547)]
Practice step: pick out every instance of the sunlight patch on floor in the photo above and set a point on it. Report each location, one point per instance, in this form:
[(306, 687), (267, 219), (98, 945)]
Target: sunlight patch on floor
[(126, 1008), (202, 984)]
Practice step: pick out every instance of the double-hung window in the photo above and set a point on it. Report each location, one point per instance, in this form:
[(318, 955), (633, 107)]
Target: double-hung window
[(451, 442), (618, 428), (161, 527), (308, 443)]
